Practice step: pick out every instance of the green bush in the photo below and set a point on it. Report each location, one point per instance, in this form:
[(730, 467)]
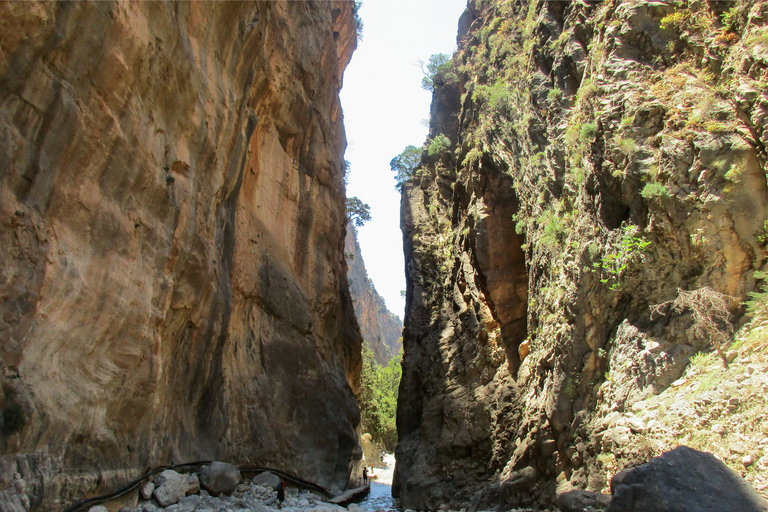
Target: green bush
[(655, 190), (554, 95), (438, 145), (587, 132), (555, 229), (758, 301)]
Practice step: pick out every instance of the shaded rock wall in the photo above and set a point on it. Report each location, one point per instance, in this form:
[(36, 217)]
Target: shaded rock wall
[(600, 160), (380, 327), (172, 216)]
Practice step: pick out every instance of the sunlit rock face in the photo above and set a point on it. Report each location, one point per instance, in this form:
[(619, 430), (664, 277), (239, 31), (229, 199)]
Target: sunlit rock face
[(173, 284), (603, 155), (380, 328)]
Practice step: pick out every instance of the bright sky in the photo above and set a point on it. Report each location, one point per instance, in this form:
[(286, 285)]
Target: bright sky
[(384, 109)]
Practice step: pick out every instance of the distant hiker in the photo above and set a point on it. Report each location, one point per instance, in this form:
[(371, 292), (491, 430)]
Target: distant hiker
[(365, 475), (280, 493)]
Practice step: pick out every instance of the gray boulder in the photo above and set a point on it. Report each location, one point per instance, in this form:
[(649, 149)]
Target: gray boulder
[(267, 479), (220, 478), (683, 480), (170, 487)]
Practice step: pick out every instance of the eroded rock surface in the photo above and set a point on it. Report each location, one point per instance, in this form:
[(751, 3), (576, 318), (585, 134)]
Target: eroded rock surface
[(173, 284), (380, 328), (604, 156)]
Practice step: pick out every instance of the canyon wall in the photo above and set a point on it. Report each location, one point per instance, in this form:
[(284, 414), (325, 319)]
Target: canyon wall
[(380, 328), (605, 157), (172, 280)]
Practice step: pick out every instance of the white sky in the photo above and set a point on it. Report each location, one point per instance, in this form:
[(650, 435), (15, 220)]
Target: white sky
[(384, 106)]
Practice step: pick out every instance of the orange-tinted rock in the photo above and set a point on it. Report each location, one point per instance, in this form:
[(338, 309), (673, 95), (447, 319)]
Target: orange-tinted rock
[(172, 219), (379, 327)]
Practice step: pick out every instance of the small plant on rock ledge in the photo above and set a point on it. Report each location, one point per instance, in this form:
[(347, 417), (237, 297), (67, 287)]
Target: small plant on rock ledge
[(438, 145), (614, 264)]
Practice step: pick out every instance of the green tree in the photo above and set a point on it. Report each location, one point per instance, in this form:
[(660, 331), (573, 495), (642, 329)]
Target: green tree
[(378, 398), (439, 71), (358, 212), (404, 164)]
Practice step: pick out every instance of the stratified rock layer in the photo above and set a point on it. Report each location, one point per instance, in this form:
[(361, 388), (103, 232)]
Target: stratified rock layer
[(380, 328), (172, 222), (604, 157)]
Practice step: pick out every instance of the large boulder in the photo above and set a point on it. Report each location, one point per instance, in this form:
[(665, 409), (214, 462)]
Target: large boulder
[(267, 479), (170, 487), (220, 478), (683, 480)]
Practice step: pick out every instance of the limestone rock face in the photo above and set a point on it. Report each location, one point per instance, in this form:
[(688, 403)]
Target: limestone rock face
[(379, 327), (173, 284), (604, 156)]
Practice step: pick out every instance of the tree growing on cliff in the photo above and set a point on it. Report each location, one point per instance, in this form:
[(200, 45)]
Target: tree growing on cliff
[(404, 164), (358, 213), (439, 70)]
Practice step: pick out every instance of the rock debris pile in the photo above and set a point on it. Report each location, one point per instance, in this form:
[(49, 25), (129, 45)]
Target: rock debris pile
[(219, 487)]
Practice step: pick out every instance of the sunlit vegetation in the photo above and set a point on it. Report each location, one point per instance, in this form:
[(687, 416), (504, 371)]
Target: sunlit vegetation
[(378, 398)]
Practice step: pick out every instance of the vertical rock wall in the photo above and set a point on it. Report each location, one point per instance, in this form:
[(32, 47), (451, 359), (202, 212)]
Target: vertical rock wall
[(603, 156), (172, 282), (380, 328)]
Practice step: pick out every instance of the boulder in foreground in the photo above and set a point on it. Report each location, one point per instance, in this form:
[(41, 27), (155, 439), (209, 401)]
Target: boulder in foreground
[(683, 480)]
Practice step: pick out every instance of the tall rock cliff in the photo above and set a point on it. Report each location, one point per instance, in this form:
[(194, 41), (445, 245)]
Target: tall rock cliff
[(173, 285), (379, 327), (604, 157)]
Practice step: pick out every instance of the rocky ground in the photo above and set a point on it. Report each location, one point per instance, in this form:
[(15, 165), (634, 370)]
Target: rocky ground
[(174, 492), (711, 408)]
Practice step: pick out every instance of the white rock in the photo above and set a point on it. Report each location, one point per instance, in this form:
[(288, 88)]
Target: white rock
[(98, 508)]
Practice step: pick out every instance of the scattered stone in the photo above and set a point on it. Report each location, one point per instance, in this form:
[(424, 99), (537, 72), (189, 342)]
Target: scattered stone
[(193, 484), (683, 480), (577, 500), (266, 479), (98, 508), (146, 490), (189, 503), (220, 478), (170, 487)]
